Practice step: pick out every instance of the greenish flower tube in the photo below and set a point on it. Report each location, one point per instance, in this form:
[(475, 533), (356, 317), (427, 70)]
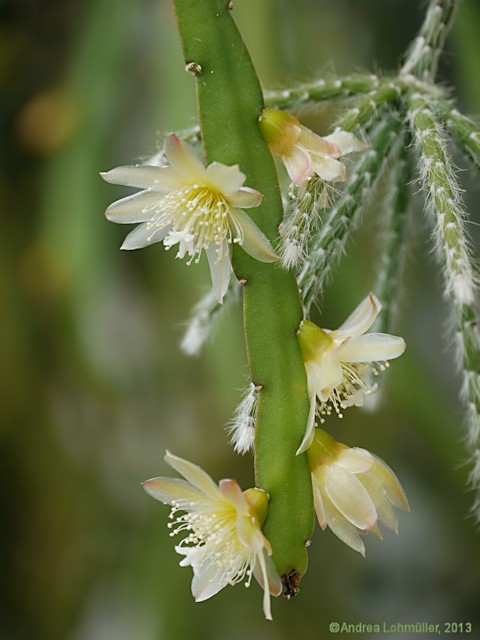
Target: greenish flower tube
[(229, 103)]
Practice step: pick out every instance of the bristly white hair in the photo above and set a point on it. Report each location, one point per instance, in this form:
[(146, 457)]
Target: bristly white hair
[(242, 426)]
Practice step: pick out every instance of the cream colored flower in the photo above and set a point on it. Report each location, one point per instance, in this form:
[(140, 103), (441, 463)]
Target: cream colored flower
[(223, 542), (338, 363), (305, 153), (353, 491), (195, 207)]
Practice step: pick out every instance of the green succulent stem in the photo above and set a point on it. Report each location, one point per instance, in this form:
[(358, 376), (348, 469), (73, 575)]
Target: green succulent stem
[(229, 104), (426, 48), (395, 206)]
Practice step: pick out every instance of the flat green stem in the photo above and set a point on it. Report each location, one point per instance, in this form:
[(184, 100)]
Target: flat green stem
[(229, 103)]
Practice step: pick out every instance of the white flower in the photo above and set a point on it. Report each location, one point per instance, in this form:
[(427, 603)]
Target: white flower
[(338, 363), (305, 153), (195, 207), (224, 543), (353, 491)]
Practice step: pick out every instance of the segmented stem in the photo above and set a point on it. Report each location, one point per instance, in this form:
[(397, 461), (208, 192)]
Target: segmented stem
[(466, 130), (454, 254), (330, 242), (392, 264), (321, 89), (425, 50)]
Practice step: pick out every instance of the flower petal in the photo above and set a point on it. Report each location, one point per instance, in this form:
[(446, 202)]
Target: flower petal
[(207, 580), (139, 207), (144, 235), (225, 179), (355, 460), (318, 503), (324, 375), (172, 490), (267, 577), (195, 475), (346, 142), (385, 511), (220, 270), (246, 198), (231, 491), (343, 529), (328, 168), (317, 145), (298, 164), (373, 347), (254, 242), (391, 484), (310, 430), (144, 176), (349, 497), (184, 161), (361, 319)]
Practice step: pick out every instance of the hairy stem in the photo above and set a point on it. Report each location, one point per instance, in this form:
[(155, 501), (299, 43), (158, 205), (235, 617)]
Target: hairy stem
[(454, 254), (395, 207), (329, 244), (230, 102), (425, 50)]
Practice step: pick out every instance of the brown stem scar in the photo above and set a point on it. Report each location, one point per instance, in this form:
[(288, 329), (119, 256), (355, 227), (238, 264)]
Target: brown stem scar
[(193, 67), (291, 582)]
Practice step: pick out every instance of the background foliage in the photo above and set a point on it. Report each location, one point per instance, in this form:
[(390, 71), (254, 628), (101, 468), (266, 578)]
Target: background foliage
[(94, 387)]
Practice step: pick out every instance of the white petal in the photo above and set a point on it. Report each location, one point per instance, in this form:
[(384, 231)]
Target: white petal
[(170, 490), (349, 497), (230, 490), (226, 180), (144, 235), (355, 460), (391, 484), (323, 376), (144, 176), (298, 165), (346, 142), (195, 475), (343, 529), (246, 198), (267, 577), (139, 207), (254, 242), (184, 161), (328, 168), (318, 503), (207, 581), (373, 347), (385, 511), (361, 319), (317, 145), (220, 270), (310, 429)]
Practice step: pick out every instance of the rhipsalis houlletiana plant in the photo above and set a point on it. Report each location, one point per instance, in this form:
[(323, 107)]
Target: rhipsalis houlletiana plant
[(283, 248)]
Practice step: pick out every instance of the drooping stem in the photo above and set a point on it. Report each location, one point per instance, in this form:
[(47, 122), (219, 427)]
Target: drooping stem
[(455, 259), (395, 208), (229, 103), (329, 245), (466, 130), (422, 60)]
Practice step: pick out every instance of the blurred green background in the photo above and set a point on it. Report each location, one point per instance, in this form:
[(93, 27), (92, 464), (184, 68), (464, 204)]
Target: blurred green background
[(94, 387)]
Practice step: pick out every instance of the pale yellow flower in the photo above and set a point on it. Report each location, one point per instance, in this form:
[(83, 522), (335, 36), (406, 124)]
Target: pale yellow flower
[(338, 363), (195, 207), (353, 490), (305, 153), (223, 542)]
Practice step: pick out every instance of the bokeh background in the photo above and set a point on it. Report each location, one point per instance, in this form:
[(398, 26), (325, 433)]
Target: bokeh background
[(93, 385)]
